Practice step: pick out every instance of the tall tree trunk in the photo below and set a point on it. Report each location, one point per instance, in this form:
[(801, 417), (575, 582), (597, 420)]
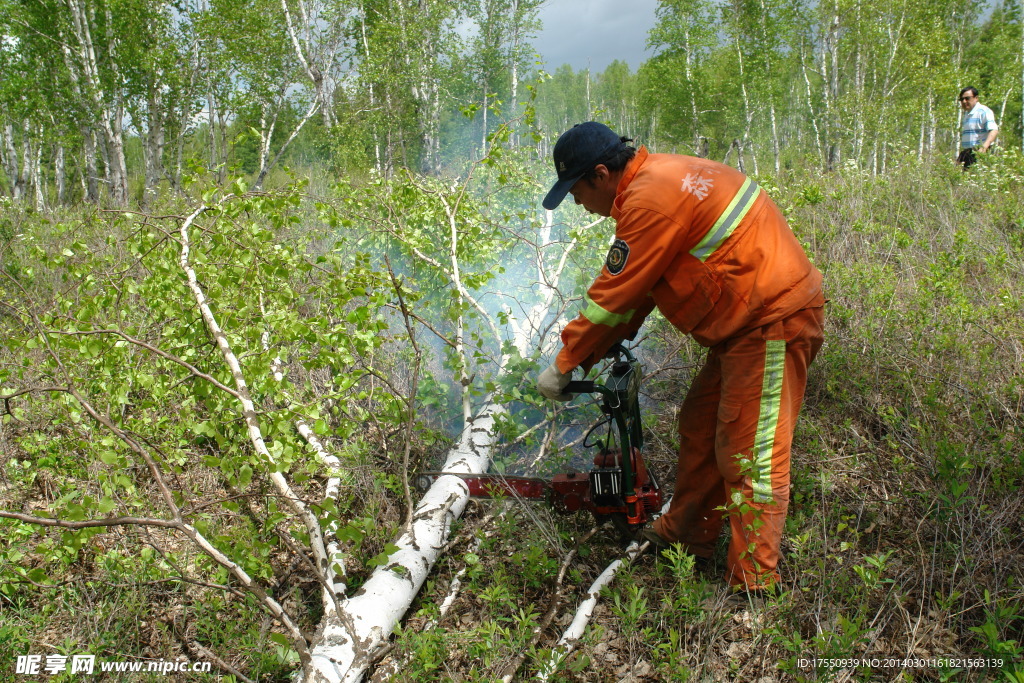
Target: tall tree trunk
[(483, 135), (211, 107), (11, 162), (830, 70), (60, 174), (90, 177), (222, 132), (881, 135), (747, 110), (86, 70), (378, 162), (688, 70), (810, 105), (295, 132), (37, 174), (857, 144), (268, 122), (771, 92), (25, 179), (514, 64), (185, 117), (117, 171), (154, 143), (590, 108), (421, 59), (303, 50)]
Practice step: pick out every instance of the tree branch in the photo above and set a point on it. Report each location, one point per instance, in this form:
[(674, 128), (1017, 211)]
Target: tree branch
[(248, 407), (163, 354), (90, 523)]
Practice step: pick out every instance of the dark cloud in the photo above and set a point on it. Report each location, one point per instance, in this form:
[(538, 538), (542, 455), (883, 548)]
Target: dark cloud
[(594, 33)]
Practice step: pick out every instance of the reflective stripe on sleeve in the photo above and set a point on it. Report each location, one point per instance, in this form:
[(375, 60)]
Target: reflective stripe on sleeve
[(601, 316), (768, 420), (727, 222)]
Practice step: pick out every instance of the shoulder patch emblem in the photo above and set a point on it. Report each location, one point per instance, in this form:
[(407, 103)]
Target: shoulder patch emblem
[(617, 256)]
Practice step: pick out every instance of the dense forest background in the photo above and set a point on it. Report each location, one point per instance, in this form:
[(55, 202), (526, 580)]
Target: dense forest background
[(122, 99), (263, 262)]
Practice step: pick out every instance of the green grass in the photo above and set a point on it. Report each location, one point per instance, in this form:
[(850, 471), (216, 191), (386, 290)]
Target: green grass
[(903, 538)]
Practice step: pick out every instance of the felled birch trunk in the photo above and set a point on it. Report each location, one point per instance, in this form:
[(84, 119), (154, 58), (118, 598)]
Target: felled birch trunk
[(348, 641), (344, 647)]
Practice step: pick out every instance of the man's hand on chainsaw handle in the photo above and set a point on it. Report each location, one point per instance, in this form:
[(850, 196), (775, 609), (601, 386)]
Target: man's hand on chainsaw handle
[(551, 383)]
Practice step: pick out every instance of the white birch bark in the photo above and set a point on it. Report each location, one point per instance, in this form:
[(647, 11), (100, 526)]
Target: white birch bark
[(154, 141), (316, 66), (86, 71), (334, 571), (90, 182), (810, 105), (747, 109), (291, 137), (248, 408), (60, 174), (11, 162), (830, 71), (268, 122), (575, 631), (25, 178), (37, 174), (345, 645), (776, 147)]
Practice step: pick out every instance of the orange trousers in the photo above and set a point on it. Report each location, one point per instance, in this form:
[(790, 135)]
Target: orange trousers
[(736, 429)]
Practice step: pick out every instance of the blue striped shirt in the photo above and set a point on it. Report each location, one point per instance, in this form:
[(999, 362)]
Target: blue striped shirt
[(975, 126)]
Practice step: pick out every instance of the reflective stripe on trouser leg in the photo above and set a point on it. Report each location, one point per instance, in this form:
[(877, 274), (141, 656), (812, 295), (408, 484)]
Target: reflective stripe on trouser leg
[(768, 420), (756, 535), (756, 527)]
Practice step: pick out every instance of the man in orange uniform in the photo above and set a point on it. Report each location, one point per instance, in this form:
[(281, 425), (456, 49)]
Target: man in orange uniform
[(704, 244)]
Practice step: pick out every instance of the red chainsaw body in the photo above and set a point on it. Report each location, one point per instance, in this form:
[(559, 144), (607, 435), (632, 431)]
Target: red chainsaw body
[(618, 489), (600, 490)]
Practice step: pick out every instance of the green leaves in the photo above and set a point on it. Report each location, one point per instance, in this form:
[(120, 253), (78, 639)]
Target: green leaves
[(383, 557)]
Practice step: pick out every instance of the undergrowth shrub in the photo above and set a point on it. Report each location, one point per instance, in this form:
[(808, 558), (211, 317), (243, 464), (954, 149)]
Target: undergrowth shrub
[(903, 538)]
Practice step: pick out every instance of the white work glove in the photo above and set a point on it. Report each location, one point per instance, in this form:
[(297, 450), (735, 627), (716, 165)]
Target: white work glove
[(551, 383)]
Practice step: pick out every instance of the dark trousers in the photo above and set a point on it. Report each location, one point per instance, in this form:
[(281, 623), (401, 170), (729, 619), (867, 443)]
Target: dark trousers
[(966, 157)]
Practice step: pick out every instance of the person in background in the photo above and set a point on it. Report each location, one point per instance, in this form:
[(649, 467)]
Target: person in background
[(709, 248), (978, 128)]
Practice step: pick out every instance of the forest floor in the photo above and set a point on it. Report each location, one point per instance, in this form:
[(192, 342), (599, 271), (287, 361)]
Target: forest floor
[(903, 553)]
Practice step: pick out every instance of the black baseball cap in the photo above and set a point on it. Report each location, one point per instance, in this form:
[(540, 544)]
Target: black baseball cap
[(577, 151)]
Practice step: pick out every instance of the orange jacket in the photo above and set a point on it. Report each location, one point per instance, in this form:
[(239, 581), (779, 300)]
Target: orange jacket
[(704, 244)]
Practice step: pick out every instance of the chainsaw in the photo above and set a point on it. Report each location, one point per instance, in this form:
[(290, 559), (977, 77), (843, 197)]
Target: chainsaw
[(618, 487)]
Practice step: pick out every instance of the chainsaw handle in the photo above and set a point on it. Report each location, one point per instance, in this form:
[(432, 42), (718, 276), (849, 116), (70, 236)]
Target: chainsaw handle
[(580, 387)]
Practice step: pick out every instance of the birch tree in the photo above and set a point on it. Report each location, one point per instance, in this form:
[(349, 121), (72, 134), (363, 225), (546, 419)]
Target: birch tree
[(405, 77), (90, 48), (249, 47), (39, 113), (673, 79), (109, 366)]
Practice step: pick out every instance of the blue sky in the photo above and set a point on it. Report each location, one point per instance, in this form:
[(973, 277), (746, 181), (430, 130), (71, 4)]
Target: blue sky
[(594, 32)]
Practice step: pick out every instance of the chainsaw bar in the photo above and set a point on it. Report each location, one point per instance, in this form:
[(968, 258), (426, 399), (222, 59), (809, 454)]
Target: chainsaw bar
[(492, 485)]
